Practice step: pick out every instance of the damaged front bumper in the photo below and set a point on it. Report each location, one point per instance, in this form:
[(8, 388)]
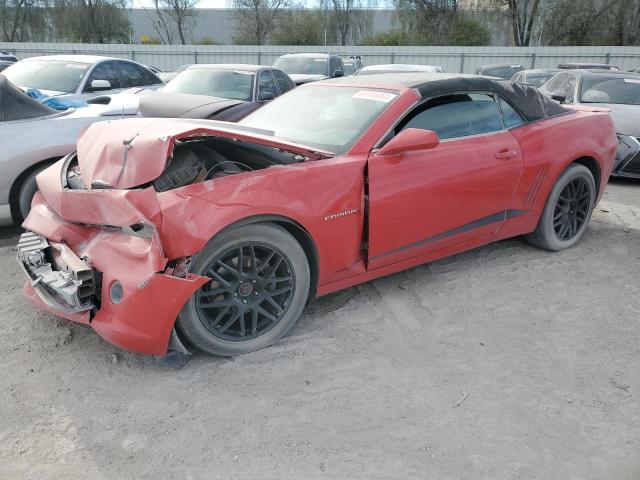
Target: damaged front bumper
[(116, 282), (61, 279)]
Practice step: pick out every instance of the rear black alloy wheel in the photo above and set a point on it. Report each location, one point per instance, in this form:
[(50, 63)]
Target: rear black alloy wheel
[(572, 208), (567, 210), (259, 287), (251, 291)]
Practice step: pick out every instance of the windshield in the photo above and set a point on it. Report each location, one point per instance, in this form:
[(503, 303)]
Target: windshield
[(329, 118), (604, 89), (55, 75), (349, 68), (502, 72), (537, 79), (232, 84), (302, 65)]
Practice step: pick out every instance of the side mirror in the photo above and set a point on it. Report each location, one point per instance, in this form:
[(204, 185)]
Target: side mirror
[(410, 140), (558, 96), (99, 85), (266, 95), (338, 73)]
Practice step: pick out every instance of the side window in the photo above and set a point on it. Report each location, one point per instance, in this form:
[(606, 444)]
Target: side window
[(457, 115), (283, 81), (152, 78), (510, 117), (334, 64), (132, 75), (569, 87), (266, 85), (104, 71)]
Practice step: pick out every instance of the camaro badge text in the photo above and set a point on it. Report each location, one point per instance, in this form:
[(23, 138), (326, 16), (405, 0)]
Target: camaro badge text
[(341, 214)]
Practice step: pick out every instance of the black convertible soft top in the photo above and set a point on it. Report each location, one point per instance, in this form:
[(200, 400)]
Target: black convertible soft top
[(17, 105), (525, 98)]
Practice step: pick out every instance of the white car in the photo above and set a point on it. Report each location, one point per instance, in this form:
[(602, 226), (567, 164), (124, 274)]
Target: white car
[(398, 68), (33, 135), (78, 77)]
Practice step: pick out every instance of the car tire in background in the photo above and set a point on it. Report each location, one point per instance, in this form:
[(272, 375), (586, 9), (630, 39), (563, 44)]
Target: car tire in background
[(568, 210), (27, 190), (259, 288)]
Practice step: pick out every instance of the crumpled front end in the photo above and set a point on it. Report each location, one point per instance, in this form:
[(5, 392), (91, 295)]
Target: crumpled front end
[(113, 277), (94, 251)]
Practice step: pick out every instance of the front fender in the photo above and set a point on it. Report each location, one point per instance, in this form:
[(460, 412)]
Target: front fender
[(309, 194)]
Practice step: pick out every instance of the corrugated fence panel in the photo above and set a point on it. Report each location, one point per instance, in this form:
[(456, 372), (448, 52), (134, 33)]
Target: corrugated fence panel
[(452, 59)]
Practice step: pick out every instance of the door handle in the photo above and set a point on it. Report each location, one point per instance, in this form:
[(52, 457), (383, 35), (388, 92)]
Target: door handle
[(505, 155)]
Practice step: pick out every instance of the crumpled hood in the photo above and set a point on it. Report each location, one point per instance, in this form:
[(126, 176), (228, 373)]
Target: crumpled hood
[(625, 117), (128, 153), (300, 78)]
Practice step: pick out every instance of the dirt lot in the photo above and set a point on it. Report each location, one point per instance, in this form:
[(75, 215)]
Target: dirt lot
[(506, 362)]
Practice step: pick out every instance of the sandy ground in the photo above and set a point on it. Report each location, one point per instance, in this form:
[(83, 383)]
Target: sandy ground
[(506, 362)]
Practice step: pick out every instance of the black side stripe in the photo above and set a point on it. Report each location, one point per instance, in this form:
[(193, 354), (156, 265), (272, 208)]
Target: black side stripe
[(495, 218)]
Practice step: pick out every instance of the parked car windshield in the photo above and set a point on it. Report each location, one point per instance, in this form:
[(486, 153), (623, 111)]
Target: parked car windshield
[(302, 65), (502, 71), (537, 79), (233, 84), (329, 118), (55, 75), (349, 68), (613, 89)]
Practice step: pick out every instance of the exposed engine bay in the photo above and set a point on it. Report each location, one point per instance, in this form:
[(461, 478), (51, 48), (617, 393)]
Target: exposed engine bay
[(199, 159)]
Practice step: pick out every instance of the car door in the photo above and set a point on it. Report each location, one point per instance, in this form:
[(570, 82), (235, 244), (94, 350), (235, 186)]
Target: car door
[(103, 71), (424, 201), (132, 75), (266, 87)]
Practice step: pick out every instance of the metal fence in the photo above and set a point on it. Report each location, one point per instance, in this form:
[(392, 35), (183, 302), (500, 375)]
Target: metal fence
[(452, 59)]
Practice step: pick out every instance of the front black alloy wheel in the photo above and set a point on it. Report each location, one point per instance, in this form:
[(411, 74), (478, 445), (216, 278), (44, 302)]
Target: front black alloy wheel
[(568, 209), (250, 291), (258, 289)]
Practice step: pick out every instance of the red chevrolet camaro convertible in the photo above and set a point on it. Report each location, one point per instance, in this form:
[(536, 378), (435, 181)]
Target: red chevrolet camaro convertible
[(164, 233)]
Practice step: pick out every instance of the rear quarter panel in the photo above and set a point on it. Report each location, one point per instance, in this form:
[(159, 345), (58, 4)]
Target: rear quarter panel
[(548, 148)]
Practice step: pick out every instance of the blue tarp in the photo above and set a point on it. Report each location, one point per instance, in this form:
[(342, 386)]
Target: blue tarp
[(55, 102)]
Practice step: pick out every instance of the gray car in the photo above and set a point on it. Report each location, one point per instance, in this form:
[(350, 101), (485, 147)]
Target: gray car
[(34, 136), (535, 77), (617, 91), (78, 77), (310, 67)]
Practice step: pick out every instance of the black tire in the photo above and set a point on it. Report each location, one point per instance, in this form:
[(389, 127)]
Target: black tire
[(266, 296), (27, 190), (568, 210)]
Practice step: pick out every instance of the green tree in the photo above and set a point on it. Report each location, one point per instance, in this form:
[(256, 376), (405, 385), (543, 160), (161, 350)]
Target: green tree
[(392, 38), (92, 21), (299, 27)]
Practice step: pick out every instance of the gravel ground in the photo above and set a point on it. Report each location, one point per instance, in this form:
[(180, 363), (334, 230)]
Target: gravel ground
[(506, 362)]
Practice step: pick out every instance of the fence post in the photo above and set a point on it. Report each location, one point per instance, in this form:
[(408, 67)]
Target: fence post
[(608, 58), (133, 54), (259, 57), (393, 57), (195, 56), (462, 62), (533, 61)]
